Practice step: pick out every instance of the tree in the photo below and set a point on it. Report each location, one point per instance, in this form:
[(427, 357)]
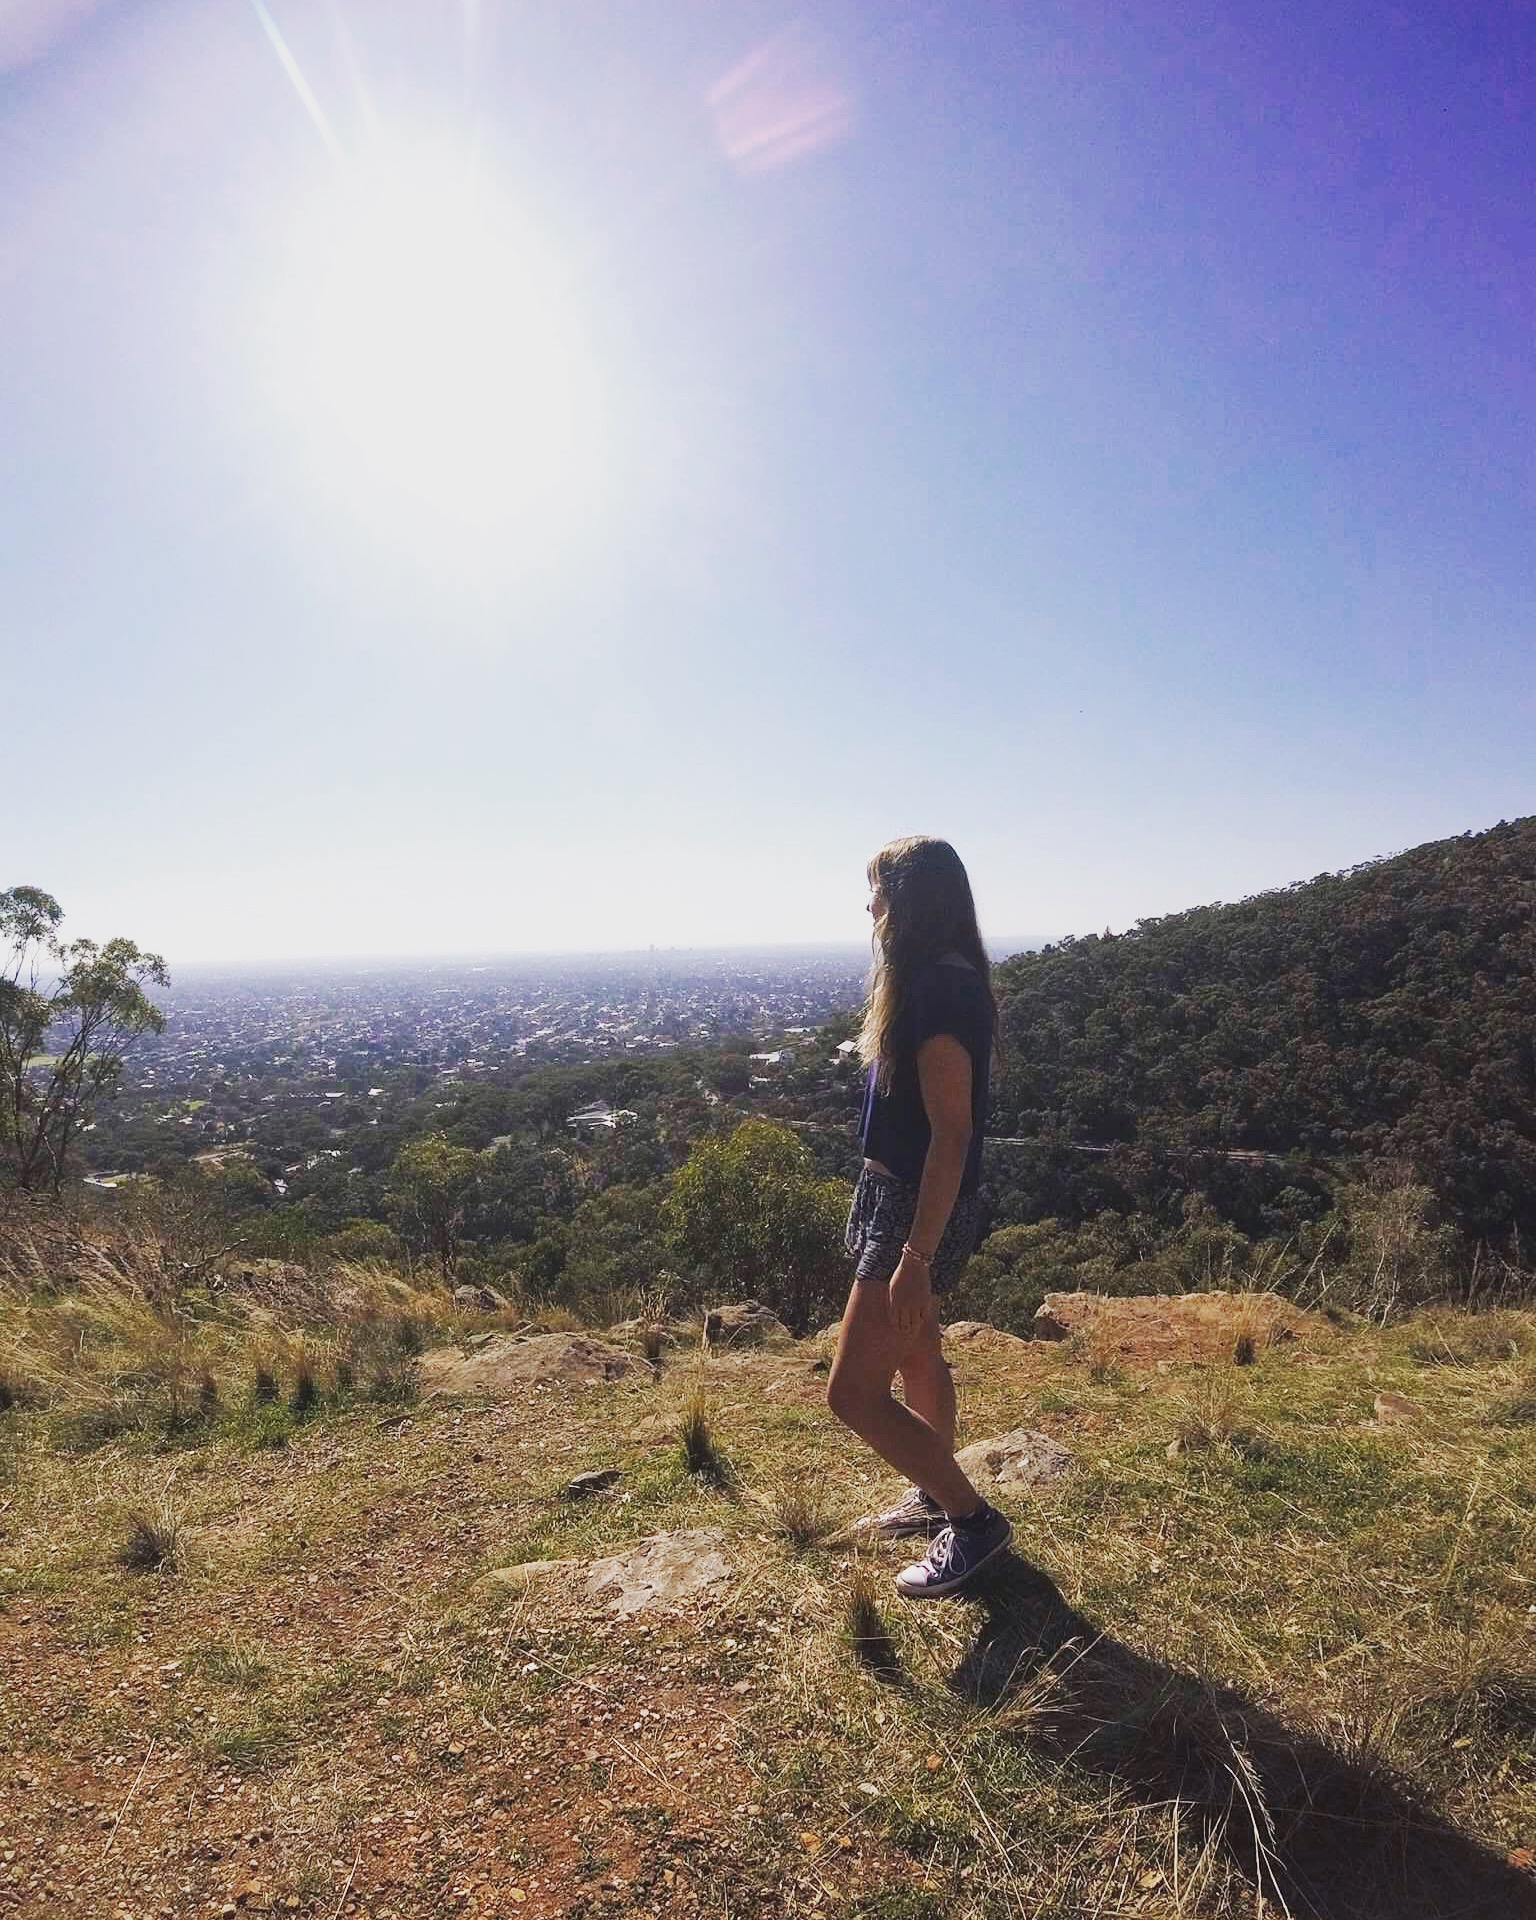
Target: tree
[(69, 1009), (750, 1216), (430, 1184), (612, 1246)]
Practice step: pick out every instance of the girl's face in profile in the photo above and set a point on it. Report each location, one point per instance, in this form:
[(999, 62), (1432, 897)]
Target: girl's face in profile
[(876, 903)]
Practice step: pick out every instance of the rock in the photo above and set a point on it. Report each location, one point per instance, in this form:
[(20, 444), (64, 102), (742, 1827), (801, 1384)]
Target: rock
[(746, 1324), (504, 1366), (651, 1426), (1017, 1459), (508, 1582), (638, 1334), (1141, 1327), (275, 1283), (660, 1571), (961, 1332), (624, 1332), (479, 1300), (1048, 1323), (595, 1481), (1392, 1409)]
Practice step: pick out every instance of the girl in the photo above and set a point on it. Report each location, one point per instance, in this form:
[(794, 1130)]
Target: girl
[(927, 1041)]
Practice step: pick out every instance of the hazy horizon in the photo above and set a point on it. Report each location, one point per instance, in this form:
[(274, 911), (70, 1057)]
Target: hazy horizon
[(998, 947)]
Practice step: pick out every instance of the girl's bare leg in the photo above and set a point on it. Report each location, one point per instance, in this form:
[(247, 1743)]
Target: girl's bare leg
[(928, 1384), (869, 1355)]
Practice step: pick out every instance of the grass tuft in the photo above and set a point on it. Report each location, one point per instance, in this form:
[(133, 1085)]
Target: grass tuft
[(1483, 1693), (382, 1359), (305, 1397), (153, 1543), (264, 1387), (236, 1662), (1209, 1413), (10, 1450), (863, 1622), (799, 1515), (252, 1743), (701, 1451), (1244, 1352)]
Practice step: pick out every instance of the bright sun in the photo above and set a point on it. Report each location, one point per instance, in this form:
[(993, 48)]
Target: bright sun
[(432, 361)]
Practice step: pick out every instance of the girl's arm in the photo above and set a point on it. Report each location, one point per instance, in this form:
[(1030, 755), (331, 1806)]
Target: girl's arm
[(944, 1075)]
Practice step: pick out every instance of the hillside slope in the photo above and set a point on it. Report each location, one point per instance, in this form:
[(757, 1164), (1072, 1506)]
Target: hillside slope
[(1293, 1655), (1379, 1018)]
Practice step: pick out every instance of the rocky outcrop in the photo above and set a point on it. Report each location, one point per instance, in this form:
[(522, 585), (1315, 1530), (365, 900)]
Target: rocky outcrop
[(746, 1324), (960, 1333), (650, 1337), (480, 1300), (503, 1367), (662, 1570), (1017, 1459), (1056, 1314), (1147, 1326)]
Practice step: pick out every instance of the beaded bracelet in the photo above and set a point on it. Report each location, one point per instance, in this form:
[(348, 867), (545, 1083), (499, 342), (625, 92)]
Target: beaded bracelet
[(911, 1252)]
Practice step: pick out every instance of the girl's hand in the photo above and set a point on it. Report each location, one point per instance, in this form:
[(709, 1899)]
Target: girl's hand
[(911, 1297)]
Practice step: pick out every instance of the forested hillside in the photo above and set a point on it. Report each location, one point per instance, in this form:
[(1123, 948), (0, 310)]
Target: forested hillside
[(1376, 1022)]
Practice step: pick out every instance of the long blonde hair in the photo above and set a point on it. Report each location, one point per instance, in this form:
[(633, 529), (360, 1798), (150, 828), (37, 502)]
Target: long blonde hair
[(929, 912)]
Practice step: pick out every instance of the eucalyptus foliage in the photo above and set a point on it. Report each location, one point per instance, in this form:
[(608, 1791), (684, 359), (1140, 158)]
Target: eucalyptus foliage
[(68, 1010)]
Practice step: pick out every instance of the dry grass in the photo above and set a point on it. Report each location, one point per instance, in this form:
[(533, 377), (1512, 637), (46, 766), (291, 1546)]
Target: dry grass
[(1186, 1656), (1441, 1339), (799, 1511), (1517, 1407), (698, 1443), (91, 1332), (864, 1624), (1210, 1411), (153, 1541)]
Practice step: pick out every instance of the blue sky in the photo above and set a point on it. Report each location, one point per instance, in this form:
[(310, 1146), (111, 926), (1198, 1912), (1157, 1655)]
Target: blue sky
[(494, 478)]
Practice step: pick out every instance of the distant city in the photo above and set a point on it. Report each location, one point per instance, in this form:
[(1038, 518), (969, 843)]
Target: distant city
[(471, 1016), (301, 1054)]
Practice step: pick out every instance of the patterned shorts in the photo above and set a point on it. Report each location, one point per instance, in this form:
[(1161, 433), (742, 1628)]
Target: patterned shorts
[(881, 1219)]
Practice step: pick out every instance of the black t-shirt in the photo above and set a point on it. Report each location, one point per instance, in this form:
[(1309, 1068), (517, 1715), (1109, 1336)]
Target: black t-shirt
[(946, 997)]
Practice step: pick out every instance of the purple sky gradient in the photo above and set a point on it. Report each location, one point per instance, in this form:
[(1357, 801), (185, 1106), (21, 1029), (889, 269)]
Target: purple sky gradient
[(1105, 436)]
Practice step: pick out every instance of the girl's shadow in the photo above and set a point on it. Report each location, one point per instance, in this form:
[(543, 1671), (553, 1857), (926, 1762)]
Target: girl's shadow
[(1325, 1837)]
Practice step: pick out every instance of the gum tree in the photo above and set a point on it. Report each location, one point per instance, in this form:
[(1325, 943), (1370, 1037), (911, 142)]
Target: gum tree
[(749, 1215), (430, 1184), (69, 1010)]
